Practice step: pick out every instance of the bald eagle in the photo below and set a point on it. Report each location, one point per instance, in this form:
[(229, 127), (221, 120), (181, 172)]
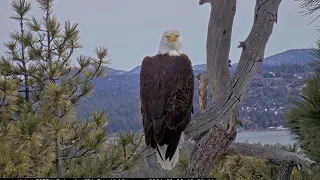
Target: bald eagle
[(166, 94)]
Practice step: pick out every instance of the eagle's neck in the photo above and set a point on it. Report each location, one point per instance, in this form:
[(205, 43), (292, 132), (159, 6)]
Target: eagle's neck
[(169, 51)]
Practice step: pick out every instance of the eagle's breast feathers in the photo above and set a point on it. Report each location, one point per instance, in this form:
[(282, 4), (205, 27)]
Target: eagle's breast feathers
[(166, 93)]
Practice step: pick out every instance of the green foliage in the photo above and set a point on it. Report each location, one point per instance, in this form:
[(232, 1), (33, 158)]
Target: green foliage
[(246, 168), (184, 161), (303, 118), (315, 51), (118, 156), (27, 151), (241, 167), (235, 167), (8, 100), (309, 6), (39, 93), (303, 175)]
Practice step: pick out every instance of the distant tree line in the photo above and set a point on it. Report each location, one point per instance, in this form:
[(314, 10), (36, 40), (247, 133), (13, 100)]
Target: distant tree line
[(118, 96)]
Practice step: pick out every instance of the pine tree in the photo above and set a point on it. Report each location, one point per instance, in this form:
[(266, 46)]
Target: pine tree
[(310, 7), (303, 115), (303, 118), (42, 128)]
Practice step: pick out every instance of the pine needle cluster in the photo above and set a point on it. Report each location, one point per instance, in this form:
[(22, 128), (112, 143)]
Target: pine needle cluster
[(303, 117), (40, 88)]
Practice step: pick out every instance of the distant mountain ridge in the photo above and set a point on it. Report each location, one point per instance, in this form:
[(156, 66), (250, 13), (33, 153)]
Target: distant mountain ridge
[(280, 76), (292, 56)]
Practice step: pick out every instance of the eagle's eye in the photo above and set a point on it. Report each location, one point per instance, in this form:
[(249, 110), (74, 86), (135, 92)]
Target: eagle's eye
[(168, 36), (177, 36)]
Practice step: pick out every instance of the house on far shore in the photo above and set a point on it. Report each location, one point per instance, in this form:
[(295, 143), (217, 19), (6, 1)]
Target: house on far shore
[(279, 128)]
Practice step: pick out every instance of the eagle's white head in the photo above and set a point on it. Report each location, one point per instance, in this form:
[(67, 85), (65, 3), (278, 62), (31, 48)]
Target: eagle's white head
[(171, 43)]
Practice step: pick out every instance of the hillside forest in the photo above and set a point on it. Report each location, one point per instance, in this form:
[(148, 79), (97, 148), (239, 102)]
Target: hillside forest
[(280, 76)]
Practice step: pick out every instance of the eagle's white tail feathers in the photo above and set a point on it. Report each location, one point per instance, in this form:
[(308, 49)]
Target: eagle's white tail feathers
[(169, 165)]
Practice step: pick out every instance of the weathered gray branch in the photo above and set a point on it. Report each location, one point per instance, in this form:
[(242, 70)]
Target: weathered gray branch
[(211, 144), (201, 2), (203, 90), (285, 160), (269, 154), (223, 115), (250, 61), (285, 170), (273, 155)]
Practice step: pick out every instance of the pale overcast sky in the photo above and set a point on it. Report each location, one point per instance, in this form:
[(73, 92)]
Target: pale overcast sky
[(131, 29)]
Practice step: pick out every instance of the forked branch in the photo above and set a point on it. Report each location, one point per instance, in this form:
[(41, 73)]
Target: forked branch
[(221, 120), (269, 154), (250, 61)]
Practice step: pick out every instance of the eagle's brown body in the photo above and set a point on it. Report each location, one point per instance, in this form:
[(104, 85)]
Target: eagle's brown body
[(166, 93)]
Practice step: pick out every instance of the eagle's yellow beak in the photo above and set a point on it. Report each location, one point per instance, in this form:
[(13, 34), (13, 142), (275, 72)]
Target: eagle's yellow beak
[(172, 38)]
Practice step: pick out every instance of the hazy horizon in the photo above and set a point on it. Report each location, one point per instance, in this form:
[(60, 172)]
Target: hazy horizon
[(131, 29), (231, 63)]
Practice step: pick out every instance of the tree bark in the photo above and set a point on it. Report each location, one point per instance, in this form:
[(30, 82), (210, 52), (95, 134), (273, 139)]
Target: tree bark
[(203, 90), (211, 147), (216, 141), (250, 61), (218, 45), (272, 155), (268, 154), (58, 157), (285, 170)]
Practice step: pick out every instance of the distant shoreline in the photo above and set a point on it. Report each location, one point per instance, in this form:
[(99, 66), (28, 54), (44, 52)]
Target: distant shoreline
[(283, 137), (267, 130)]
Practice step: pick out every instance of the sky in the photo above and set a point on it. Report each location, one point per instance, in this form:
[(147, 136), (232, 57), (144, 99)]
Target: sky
[(131, 29)]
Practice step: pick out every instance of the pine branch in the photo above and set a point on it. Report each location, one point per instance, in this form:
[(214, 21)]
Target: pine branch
[(44, 60), (310, 8)]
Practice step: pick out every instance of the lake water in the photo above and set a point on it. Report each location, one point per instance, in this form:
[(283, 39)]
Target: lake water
[(264, 137), (267, 137)]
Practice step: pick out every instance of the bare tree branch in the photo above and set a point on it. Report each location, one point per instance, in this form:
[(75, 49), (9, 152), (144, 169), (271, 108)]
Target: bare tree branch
[(269, 154), (210, 148), (203, 90), (273, 155), (218, 47), (201, 2), (285, 170), (250, 61)]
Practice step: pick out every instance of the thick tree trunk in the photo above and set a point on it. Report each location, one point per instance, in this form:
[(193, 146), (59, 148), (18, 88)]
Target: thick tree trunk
[(285, 170), (210, 148), (208, 151), (218, 45), (217, 140), (203, 90)]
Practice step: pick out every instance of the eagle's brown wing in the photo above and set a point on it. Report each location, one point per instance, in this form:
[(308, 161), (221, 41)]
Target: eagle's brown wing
[(166, 94)]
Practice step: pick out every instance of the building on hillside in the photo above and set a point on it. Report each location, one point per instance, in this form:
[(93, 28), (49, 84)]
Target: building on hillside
[(269, 75)]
